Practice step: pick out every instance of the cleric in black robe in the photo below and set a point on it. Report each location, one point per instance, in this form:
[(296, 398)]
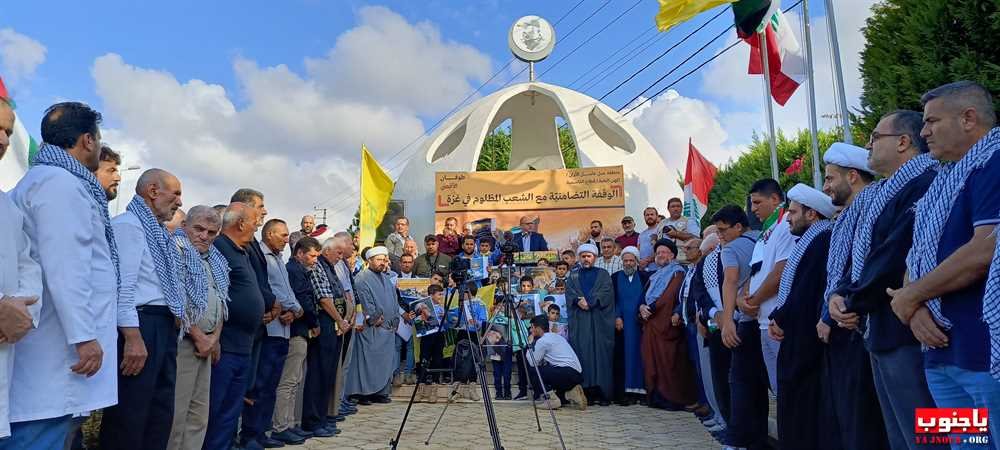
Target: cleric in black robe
[(590, 301), (803, 421)]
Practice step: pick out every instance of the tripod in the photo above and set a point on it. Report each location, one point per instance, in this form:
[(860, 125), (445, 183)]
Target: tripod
[(491, 418)]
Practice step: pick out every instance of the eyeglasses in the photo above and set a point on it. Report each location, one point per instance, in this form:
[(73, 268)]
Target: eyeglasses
[(876, 136)]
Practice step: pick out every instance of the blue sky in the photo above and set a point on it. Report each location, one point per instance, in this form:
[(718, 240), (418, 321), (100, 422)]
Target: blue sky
[(251, 81)]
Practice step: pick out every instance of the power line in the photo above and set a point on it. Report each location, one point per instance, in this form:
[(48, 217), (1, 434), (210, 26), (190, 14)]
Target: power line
[(612, 55), (592, 36), (621, 62)]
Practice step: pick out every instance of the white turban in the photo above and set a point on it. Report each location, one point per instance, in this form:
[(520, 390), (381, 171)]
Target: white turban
[(812, 198), (849, 156), (631, 249), (587, 248), (375, 251)]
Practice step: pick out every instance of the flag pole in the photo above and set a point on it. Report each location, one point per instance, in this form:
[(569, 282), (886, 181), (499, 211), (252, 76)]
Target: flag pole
[(838, 72), (767, 100), (813, 132)]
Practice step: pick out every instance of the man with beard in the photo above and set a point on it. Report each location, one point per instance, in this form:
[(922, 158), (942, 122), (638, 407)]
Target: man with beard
[(630, 238), (591, 305), (647, 236), (848, 385), (629, 289), (800, 296), (107, 172), (596, 234), (882, 239), (308, 225), (369, 376)]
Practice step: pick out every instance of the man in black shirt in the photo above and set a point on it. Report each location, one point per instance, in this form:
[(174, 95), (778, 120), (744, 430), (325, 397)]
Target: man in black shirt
[(246, 310)]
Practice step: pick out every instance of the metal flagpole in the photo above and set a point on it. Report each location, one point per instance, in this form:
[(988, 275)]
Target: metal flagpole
[(838, 72), (767, 100), (807, 32)]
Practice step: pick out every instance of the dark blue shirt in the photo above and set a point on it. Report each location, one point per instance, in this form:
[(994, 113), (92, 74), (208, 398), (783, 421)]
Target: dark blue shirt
[(298, 279), (977, 205), (246, 302)]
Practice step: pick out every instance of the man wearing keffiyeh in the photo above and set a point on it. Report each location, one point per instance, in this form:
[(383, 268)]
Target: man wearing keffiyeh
[(952, 247), (150, 308)]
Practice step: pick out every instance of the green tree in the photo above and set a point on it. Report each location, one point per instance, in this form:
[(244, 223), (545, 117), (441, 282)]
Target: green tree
[(734, 179), (913, 46), (495, 154)]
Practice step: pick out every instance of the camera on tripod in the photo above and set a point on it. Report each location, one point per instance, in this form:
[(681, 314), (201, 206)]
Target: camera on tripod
[(459, 269)]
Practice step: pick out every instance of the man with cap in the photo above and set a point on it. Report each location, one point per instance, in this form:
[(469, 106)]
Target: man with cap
[(373, 354), (882, 239), (630, 237), (433, 261), (629, 288), (591, 308), (846, 365), (800, 297)]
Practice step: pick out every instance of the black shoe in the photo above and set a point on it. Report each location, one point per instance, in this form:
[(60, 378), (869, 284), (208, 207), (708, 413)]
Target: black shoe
[(335, 419), (591, 402), (499, 396), (381, 399), (251, 444), (267, 442), (299, 431), (604, 403), (333, 429), (288, 437), (521, 396), (364, 402), (324, 433)]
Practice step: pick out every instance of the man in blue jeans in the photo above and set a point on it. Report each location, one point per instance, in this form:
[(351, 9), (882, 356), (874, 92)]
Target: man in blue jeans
[(231, 374), (953, 245)]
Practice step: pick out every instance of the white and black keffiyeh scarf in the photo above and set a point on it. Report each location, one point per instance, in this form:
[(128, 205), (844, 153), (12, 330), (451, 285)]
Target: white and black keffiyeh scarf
[(164, 258), (194, 279), (841, 240), (51, 155), (933, 211), (710, 274), (788, 274), (888, 189)]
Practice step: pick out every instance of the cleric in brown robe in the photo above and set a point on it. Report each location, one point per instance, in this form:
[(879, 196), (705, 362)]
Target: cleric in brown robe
[(670, 379)]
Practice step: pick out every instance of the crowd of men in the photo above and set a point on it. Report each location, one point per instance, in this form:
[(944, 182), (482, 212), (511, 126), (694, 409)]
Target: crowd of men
[(852, 306)]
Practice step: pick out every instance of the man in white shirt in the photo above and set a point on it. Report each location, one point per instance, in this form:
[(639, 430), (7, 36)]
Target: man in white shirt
[(57, 371), (680, 228), (558, 365), (20, 280), (768, 261), (648, 236), (608, 260), (150, 304), (395, 240)]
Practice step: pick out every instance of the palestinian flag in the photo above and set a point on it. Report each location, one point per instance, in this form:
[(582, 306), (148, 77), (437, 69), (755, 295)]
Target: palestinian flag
[(699, 177), (785, 60), (21, 150)]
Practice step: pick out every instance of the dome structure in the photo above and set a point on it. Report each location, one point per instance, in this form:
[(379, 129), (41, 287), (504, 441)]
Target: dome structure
[(603, 137)]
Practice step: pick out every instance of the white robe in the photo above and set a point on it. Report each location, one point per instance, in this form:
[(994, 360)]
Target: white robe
[(79, 300), (20, 276)]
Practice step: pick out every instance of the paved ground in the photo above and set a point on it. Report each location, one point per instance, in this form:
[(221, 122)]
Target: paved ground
[(464, 427)]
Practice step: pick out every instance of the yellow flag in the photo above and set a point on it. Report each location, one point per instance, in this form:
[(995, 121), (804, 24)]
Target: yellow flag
[(486, 294), (673, 12), (376, 190)]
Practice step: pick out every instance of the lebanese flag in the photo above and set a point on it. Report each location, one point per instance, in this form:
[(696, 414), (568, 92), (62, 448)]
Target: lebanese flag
[(784, 55), (22, 147), (699, 177)]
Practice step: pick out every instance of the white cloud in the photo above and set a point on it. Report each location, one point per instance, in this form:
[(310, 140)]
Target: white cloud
[(725, 80), (20, 55), (668, 121), (298, 137)]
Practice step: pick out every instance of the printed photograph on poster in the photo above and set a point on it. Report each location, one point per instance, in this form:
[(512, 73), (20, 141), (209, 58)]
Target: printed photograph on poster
[(542, 277), (558, 321), (426, 321), (418, 285), (479, 268), (530, 302)]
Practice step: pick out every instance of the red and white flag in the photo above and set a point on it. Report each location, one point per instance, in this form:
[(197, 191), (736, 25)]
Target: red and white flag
[(699, 177), (786, 63)]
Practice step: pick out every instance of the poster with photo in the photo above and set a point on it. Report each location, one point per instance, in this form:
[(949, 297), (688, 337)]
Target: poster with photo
[(425, 321), (418, 285), (530, 303), (542, 277), (479, 268)]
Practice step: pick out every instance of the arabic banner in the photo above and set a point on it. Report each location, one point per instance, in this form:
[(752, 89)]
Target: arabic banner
[(564, 201)]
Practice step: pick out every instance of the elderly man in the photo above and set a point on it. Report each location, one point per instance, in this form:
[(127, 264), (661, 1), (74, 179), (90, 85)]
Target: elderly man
[(300, 268), (107, 172), (176, 222), (370, 374), (947, 305), (629, 288), (20, 279), (346, 243), (232, 372), (591, 304), (274, 349), (325, 351), (529, 239), (150, 301), (608, 260), (57, 373), (308, 224), (630, 237), (409, 248), (203, 274), (396, 240), (802, 418)]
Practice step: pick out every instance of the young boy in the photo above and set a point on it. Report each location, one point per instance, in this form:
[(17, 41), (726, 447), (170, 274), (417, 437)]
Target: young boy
[(554, 325), (432, 348), (562, 270), (503, 369), (569, 257)]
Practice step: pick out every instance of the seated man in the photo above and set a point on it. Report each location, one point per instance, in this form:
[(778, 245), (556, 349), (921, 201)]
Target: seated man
[(558, 365)]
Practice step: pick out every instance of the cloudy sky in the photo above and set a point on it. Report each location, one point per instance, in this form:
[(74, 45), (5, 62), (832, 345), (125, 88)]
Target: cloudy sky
[(280, 96)]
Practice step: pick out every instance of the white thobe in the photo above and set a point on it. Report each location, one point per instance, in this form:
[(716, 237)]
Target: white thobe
[(20, 276), (79, 299)]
